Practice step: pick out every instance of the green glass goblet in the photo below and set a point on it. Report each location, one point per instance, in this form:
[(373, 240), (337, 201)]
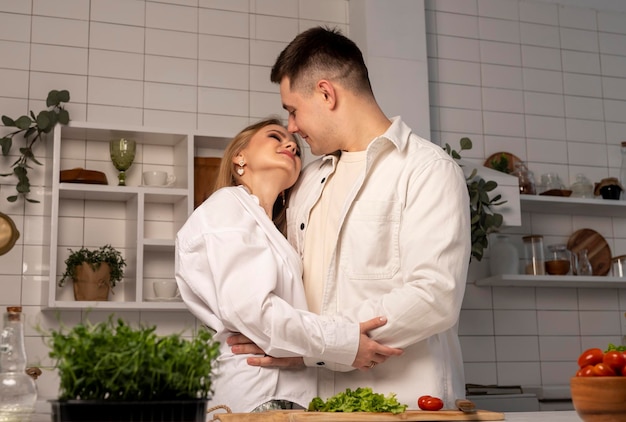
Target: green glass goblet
[(122, 156)]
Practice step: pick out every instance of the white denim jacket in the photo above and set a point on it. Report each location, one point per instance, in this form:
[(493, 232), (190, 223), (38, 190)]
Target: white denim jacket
[(403, 251), (238, 274)]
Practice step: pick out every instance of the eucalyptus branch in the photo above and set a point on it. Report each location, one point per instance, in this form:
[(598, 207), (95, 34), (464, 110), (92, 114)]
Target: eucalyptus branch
[(483, 219), (32, 128)]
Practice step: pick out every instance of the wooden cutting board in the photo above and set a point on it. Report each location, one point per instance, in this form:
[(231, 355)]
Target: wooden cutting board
[(409, 415), (205, 173), (597, 247)]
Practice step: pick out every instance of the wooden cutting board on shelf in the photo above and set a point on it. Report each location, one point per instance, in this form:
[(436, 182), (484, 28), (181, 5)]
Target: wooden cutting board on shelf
[(409, 415), (205, 173), (598, 249)]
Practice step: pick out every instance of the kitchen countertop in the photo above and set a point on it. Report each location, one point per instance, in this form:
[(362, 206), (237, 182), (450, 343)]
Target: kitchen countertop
[(558, 416)]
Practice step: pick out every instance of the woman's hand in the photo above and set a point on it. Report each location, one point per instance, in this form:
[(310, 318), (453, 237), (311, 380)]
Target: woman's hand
[(369, 354)]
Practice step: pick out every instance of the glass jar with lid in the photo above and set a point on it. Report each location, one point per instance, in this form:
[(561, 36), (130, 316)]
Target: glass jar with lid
[(560, 261), (534, 261), (582, 187)]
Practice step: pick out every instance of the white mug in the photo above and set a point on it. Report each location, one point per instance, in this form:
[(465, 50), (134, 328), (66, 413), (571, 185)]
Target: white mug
[(165, 289), (158, 178)]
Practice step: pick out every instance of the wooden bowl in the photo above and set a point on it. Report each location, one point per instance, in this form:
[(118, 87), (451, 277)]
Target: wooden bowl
[(599, 399)]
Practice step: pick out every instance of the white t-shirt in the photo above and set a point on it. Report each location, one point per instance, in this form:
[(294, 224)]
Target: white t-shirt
[(324, 222)]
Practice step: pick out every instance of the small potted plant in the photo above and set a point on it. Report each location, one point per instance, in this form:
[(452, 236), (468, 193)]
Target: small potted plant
[(115, 372), (94, 272)]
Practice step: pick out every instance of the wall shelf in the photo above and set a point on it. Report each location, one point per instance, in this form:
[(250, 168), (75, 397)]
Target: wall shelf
[(116, 306), (572, 281), (579, 206), (140, 221)]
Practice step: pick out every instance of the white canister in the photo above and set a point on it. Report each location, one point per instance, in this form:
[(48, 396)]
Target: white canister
[(504, 257)]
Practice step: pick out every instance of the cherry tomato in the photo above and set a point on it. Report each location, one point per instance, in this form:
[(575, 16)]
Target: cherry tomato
[(430, 403), (587, 371), (603, 370), (615, 359), (590, 357), (422, 400)]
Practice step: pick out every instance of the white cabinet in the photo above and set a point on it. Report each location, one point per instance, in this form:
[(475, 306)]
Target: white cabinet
[(568, 206), (139, 221)]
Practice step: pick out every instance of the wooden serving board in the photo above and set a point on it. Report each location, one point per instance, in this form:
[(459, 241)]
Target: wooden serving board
[(597, 247), (409, 415)]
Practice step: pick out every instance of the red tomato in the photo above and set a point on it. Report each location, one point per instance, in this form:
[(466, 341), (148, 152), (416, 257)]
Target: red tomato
[(430, 403), (616, 360), (422, 400), (603, 370), (587, 371), (590, 357)]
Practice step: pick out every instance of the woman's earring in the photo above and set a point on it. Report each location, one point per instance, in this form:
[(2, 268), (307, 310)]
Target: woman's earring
[(240, 170), (283, 198)]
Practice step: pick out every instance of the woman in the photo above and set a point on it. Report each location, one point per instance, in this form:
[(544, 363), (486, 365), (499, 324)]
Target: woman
[(238, 274)]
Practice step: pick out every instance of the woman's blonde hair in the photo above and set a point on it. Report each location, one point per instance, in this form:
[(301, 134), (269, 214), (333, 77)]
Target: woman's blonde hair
[(227, 173)]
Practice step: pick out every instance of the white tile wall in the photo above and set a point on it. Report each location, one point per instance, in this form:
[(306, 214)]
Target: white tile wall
[(108, 36), (15, 27), (542, 81), (224, 23), (57, 31), (119, 11), (171, 16), (179, 63)]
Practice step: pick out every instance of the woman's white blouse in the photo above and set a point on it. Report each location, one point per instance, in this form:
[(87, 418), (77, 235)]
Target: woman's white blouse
[(237, 273)]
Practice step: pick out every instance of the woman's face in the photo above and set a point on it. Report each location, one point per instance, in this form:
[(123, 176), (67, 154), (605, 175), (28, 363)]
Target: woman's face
[(273, 151)]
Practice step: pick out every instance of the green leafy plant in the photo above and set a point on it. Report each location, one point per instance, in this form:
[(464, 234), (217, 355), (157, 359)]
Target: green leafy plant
[(32, 128), (500, 163), (104, 254), (363, 399), (114, 361), (484, 220)]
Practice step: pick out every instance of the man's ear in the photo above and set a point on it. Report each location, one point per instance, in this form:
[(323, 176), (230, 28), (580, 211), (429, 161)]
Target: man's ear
[(327, 90)]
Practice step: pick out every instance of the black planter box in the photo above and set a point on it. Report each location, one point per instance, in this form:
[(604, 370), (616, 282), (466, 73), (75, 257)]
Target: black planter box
[(128, 411)]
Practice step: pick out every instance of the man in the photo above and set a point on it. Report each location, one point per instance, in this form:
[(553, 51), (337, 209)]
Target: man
[(381, 221)]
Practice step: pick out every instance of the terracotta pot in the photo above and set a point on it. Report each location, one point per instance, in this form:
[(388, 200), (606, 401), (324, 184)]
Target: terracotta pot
[(90, 284), (599, 399)]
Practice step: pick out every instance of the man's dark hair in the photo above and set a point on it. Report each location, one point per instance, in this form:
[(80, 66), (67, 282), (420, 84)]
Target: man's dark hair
[(322, 53)]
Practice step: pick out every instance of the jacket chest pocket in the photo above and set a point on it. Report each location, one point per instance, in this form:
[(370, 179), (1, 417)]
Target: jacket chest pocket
[(369, 240)]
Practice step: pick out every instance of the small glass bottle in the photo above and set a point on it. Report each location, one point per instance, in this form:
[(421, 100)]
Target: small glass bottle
[(622, 170), (18, 392), (534, 262), (584, 265), (619, 266), (526, 179)]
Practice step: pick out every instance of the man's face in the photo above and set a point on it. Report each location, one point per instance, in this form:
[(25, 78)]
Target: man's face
[(307, 117)]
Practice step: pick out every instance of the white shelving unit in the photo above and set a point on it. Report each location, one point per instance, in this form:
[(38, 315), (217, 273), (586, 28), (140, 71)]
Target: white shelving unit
[(515, 280), (139, 221), (573, 206), (570, 206)]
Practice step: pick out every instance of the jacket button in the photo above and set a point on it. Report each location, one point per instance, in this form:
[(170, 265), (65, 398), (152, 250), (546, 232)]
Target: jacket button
[(323, 180), (320, 364), (301, 226)]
